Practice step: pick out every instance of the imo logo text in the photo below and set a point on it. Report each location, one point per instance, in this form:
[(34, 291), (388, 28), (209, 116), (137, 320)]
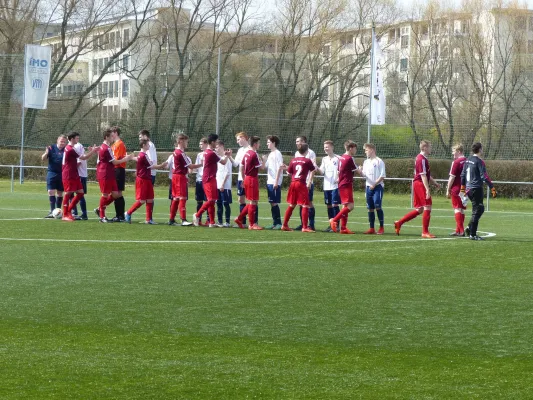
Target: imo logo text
[(35, 62), (37, 84)]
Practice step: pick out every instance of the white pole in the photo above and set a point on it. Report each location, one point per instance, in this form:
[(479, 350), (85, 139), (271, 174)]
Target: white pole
[(218, 93), (371, 86), (22, 125)]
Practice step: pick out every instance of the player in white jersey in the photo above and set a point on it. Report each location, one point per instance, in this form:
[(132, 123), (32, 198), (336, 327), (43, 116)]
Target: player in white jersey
[(310, 185), (152, 152), (199, 194), (170, 166), (223, 177), (244, 146), (82, 172), (274, 166), (374, 172), (330, 169)]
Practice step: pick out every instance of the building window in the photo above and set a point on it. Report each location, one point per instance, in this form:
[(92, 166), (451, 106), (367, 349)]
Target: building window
[(521, 22), (531, 23), (125, 62), (111, 89), (116, 89), (403, 88), (105, 87), (530, 46), (112, 40), (126, 36), (403, 64), (125, 87), (405, 41)]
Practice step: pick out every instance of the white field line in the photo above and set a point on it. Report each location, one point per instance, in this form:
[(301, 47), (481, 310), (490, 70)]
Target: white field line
[(254, 242)]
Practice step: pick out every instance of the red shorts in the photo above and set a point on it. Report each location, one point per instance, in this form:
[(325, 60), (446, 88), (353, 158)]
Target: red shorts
[(298, 194), (72, 185), (144, 190), (108, 186), (251, 188), (346, 194), (457, 202), (180, 186), (419, 195), (211, 190)]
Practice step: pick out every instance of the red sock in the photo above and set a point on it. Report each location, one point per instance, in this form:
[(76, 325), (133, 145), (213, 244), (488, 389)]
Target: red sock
[(243, 213), (109, 200), (149, 211), (287, 217), (252, 208), (458, 219), (66, 200), (344, 221), (183, 209), (202, 209), (75, 201), (408, 217), (341, 214), (426, 216), (134, 207), (305, 217), (103, 205), (462, 222), (173, 209), (211, 212)]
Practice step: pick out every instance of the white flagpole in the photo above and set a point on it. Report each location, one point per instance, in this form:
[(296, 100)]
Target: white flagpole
[(371, 86), (217, 131), (21, 169)]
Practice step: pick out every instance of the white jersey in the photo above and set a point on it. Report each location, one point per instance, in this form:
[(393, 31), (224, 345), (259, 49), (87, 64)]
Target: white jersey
[(224, 171), (273, 162), (312, 156), (82, 164), (200, 170), (153, 156), (330, 169), (170, 161), (373, 169), (238, 160)]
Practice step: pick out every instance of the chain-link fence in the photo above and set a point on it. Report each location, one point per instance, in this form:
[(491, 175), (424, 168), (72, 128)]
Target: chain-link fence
[(261, 93)]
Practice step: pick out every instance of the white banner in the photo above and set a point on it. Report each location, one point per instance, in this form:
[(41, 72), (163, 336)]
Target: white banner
[(37, 63), (377, 101)]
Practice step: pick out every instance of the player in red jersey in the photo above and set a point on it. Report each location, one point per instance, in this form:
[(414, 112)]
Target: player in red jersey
[(180, 181), (454, 187), (421, 192), (71, 178), (346, 169), (209, 180), (144, 188), (250, 165), (105, 173), (299, 169)]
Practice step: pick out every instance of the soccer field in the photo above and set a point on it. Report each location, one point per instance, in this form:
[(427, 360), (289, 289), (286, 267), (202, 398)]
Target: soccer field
[(119, 311)]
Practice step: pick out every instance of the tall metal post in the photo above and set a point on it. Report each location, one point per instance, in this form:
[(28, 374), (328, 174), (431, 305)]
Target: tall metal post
[(218, 92), (372, 77)]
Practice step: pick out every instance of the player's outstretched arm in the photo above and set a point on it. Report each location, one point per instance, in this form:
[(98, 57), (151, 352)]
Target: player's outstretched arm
[(44, 156)]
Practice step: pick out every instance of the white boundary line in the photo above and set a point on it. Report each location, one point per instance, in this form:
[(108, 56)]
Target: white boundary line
[(487, 234)]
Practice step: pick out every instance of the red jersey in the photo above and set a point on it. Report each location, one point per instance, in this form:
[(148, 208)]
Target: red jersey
[(105, 170), (143, 166), (70, 163), (181, 162), (346, 169), (421, 167), (210, 165), (299, 168), (455, 170), (251, 163)]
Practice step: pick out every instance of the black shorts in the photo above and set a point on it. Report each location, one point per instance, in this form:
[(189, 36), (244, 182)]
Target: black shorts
[(120, 175)]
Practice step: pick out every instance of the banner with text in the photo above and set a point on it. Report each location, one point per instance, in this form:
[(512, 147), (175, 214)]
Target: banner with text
[(377, 102), (37, 62)]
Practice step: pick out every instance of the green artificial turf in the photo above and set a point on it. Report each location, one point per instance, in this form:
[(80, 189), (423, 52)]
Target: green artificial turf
[(118, 311)]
